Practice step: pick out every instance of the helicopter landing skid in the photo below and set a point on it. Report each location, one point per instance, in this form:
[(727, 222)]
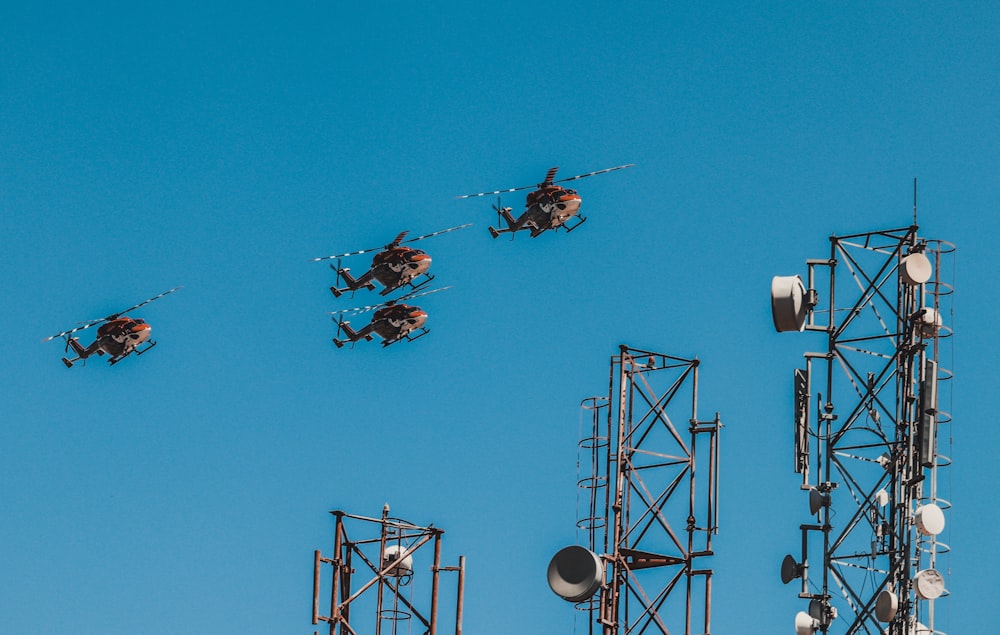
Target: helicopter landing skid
[(151, 345), (413, 287), (583, 219), (407, 337)]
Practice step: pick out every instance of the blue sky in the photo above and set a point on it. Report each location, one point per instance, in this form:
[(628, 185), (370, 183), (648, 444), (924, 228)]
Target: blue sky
[(221, 148)]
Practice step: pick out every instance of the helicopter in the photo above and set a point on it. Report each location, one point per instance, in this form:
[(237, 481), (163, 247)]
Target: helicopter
[(117, 336), (393, 321), (548, 206), (394, 266)]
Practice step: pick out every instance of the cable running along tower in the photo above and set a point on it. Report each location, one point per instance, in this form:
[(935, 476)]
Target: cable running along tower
[(870, 424)]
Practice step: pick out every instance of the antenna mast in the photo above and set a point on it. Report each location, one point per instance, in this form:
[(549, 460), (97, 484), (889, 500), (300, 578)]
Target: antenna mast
[(384, 551), (867, 414), (646, 536)]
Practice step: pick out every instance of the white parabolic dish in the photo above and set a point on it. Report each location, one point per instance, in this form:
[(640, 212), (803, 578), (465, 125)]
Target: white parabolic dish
[(928, 584), (886, 606), (788, 308), (805, 624), (930, 519), (915, 268)]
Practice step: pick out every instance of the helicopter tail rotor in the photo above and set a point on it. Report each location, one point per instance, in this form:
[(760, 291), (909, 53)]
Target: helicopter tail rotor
[(497, 208), (335, 290)]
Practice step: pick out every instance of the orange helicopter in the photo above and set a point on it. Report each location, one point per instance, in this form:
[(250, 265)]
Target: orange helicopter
[(117, 336), (394, 266), (549, 206), (392, 321)]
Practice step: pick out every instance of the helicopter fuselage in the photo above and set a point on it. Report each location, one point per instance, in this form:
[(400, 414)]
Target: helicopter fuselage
[(550, 207), (121, 336), (397, 321), (399, 266)]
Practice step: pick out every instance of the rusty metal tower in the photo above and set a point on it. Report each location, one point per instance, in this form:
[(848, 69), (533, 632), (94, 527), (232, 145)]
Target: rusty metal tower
[(870, 414), (647, 522), (385, 600)]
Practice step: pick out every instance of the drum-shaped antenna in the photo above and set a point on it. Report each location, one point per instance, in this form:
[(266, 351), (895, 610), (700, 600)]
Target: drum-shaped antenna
[(805, 624), (575, 573), (915, 269), (930, 519), (788, 305), (928, 584), (886, 606)]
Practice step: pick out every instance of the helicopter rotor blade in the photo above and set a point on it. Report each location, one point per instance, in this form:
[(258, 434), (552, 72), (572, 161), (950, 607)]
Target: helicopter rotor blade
[(552, 173), (437, 233), (373, 307), (398, 239), (395, 243), (583, 176), (351, 253), (418, 294), (358, 310), (87, 325), (144, 303), (513, 189)]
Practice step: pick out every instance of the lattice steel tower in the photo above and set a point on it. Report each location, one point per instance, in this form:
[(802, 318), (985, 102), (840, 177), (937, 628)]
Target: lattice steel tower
[(869, 421), (647, 522), (374, 574)]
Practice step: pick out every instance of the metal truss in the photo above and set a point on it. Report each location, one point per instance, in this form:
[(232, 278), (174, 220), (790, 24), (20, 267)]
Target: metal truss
[(866, 432), (383, 550), (638, 465)]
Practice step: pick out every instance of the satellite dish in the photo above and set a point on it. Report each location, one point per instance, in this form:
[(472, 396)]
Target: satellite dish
[(788, 305), (915, 269), (805, 624), (817, 500), (790, 569), (575, 573), (403, 567), (928, 584), (886, 606), (930, 519)]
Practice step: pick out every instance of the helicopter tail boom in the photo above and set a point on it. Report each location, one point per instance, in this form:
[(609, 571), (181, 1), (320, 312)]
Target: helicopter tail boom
[(352, 283), (76, 346)]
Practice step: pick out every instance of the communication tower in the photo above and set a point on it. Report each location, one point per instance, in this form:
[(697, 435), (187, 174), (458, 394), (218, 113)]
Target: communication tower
[(869, 427), (648, 523), (375, 575)]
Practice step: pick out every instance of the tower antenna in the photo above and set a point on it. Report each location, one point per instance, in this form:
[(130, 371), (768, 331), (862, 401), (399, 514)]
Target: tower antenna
[(641, 548), (879, 443)]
